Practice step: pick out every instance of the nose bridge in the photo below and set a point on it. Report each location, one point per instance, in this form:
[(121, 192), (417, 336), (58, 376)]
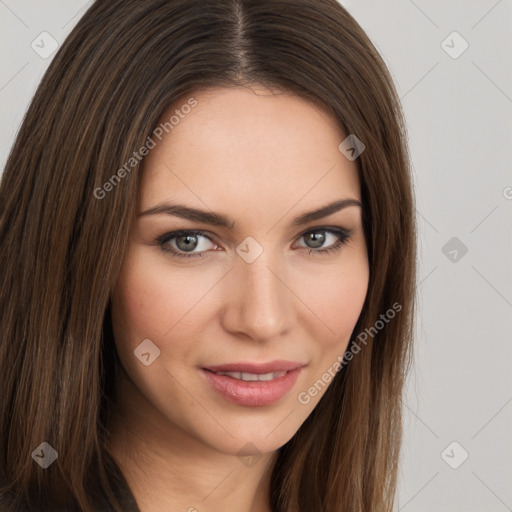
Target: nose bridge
[(261, 305)]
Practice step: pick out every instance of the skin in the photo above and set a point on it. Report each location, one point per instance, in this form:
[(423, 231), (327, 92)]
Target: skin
[(261, 159)]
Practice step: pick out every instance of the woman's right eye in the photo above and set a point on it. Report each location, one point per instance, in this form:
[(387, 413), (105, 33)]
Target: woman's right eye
[(183, 243)]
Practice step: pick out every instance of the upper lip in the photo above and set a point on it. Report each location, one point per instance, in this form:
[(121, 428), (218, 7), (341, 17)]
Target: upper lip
[(257, 368)]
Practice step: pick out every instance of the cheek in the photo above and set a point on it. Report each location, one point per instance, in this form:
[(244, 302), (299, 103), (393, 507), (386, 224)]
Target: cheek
[(346, 302), (336, 296), (149, 301)]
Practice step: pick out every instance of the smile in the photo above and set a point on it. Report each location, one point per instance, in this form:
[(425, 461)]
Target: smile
[(251, 389)]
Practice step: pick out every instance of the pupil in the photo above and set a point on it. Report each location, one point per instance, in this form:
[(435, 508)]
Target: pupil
[(317, 239), (190, 244)]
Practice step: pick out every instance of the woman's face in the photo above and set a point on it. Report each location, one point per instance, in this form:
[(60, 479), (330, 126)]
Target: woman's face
[(259, 288)]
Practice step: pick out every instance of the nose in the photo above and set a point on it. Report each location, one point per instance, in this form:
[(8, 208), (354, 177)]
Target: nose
[(258, 301)]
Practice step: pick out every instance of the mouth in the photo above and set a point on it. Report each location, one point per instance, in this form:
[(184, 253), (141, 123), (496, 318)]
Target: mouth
[(252, 377), (252, 385), (256, 368)]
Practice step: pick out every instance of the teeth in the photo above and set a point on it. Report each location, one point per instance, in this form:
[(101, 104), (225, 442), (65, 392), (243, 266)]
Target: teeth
[(253, 376), (250, 376), (267, 376)]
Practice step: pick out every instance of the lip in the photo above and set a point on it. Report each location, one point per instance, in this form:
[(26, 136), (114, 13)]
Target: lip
[(258, 368), (252, 393)]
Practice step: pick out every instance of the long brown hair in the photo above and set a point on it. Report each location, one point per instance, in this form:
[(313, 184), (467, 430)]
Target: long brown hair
[(62, 246)]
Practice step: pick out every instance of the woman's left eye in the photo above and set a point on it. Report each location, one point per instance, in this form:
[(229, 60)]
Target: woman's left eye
[(183, 244), (319, 236)]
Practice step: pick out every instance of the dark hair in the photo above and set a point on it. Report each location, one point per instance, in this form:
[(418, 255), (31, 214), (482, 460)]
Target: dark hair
[(61, 247)]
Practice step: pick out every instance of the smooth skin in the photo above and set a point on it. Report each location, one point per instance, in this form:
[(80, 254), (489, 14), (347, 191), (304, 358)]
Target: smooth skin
[(261, 159)]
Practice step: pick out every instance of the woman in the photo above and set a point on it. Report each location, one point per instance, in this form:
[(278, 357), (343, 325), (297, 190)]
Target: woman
[(208, 264)]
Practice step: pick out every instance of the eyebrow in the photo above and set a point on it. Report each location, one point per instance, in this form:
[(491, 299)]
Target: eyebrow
[(216, 219)]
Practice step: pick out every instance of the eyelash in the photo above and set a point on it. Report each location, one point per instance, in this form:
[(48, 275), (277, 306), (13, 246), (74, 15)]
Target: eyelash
[(343, 236)]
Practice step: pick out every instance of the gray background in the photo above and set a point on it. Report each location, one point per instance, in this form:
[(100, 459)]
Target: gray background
[(459, 116)]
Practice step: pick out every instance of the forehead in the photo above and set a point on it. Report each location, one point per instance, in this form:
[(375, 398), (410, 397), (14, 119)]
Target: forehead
[(248, 149)]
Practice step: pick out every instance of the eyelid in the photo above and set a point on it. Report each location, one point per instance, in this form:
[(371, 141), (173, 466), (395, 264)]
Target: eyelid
[(170, 235), (212, 237), (327, 227)]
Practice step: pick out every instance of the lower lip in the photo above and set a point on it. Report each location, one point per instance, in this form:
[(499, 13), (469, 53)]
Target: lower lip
[(252, 393)]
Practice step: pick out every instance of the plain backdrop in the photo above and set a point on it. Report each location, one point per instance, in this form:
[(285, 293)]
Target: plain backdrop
[(451, 65)]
